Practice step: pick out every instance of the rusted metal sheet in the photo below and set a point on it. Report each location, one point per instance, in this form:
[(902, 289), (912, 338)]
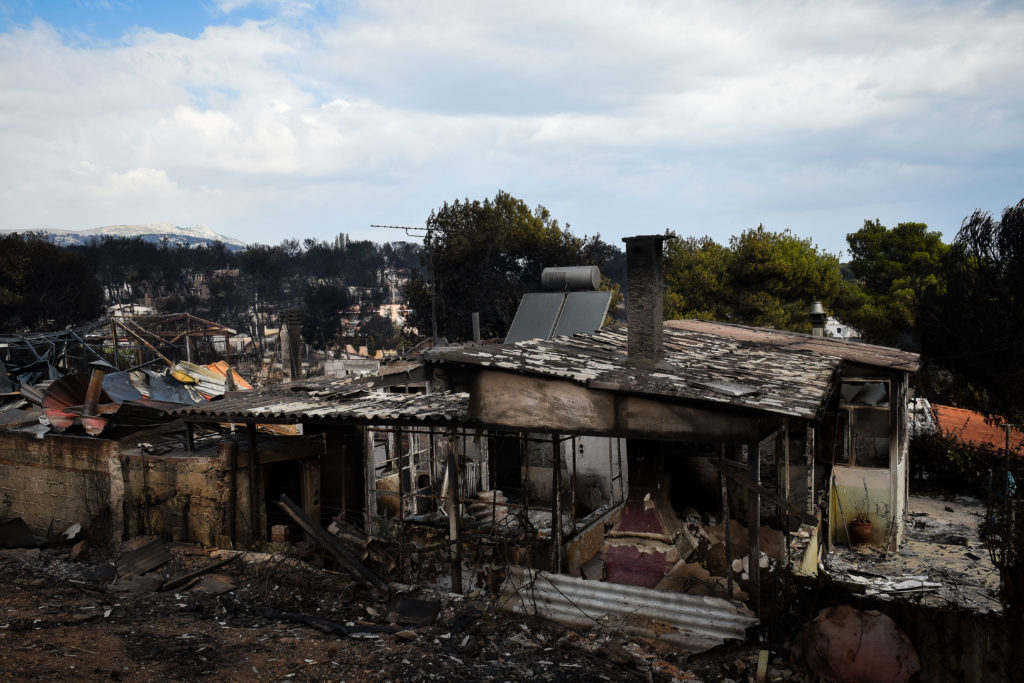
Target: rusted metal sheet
[(66, 402), (682, 623), (64, 394)]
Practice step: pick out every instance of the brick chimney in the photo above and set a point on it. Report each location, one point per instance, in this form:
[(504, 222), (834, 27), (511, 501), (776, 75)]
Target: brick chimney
[(645, 298)]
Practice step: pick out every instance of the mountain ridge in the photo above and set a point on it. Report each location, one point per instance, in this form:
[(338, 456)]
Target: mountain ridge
[(196, 235)]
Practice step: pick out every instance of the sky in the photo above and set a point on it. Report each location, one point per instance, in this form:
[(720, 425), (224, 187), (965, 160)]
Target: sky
[(267, 120)]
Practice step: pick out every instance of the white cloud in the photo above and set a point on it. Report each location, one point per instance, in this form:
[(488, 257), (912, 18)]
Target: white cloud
[(626, 116)]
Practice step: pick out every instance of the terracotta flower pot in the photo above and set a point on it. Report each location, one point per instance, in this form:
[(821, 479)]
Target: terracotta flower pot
[(860, 531)]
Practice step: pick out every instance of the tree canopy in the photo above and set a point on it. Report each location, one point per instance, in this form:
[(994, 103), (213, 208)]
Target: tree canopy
[(484, 256), (894, 267), (761, 278), (44, 287), (975, 326)]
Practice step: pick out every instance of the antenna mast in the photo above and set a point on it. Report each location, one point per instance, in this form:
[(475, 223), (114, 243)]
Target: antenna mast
[(424, 233)]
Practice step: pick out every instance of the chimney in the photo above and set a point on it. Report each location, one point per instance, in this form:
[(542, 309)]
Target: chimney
[(817, 316), (291, 344), (645, 298)]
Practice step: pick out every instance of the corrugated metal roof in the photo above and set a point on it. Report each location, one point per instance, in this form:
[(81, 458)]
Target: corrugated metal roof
[(302, 407), (697, 366), (687, 623), (855, 352)]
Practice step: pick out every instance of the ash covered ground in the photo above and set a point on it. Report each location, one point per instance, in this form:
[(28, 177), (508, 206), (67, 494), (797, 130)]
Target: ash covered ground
[(275, 618)]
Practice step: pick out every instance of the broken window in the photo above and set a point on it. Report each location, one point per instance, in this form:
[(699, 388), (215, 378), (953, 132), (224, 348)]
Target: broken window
[(857, 431)]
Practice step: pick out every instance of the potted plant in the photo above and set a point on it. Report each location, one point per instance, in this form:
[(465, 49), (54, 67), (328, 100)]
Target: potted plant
[(860, 526)]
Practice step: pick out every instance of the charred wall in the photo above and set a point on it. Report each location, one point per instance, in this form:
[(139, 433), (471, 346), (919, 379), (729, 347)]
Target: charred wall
[(187, 498)]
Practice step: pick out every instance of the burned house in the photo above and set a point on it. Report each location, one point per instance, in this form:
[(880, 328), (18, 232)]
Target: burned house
[(680, 456)]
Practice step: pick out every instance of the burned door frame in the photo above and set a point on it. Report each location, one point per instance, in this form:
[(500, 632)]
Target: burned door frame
[(893, 511)]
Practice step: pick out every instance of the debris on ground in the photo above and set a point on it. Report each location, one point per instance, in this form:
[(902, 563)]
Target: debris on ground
[(944, 562), (273, 617)]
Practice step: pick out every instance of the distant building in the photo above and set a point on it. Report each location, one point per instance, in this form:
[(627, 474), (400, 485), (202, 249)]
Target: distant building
[(837, 329)]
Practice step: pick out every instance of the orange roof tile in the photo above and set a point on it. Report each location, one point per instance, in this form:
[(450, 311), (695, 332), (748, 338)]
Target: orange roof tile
[(969, 428), (221, 368)]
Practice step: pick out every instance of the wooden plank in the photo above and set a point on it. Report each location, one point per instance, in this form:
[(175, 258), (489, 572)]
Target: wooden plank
[(345, 557), (556, 505), (255, 528), (185, 578), (762, 491)]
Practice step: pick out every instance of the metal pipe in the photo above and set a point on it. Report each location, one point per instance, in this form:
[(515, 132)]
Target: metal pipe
[(92, 394)]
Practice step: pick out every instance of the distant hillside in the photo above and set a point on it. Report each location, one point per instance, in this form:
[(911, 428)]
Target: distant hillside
[(197, 235)]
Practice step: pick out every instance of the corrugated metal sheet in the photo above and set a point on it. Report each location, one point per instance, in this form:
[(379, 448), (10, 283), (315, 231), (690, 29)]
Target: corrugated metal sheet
[(697, 366), (301, 407), (686, 624)]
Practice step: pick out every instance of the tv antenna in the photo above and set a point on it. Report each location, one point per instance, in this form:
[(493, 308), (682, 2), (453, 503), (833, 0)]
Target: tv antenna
[(425, 234)]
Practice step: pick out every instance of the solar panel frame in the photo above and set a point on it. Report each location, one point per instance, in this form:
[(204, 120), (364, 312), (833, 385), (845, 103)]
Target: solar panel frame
[(582, 312), (536, 316)]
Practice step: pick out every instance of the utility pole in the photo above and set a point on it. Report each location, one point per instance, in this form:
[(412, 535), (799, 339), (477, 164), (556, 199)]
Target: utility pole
[(426, 234)]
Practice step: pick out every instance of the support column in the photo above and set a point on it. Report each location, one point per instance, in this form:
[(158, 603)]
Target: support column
[(454, 519), (754, 525), (255, 530), (233, 491), (725, 518), (556, 506), (113, 340), (809, 454)]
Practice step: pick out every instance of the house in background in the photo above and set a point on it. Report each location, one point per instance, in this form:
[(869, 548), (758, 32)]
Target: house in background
[(974, 430)]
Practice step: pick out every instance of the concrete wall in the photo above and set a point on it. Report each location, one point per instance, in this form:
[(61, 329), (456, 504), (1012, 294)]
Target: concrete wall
[(186, 498), (61, 479), (115, 490)]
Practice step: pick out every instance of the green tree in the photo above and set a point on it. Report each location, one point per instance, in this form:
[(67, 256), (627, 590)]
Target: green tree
[(762, 278), (975, 326), (483, 257), (894, 267)]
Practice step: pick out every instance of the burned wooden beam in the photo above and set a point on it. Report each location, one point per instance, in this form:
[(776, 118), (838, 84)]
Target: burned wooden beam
[(185, 578), (341, 554), (750, 486)]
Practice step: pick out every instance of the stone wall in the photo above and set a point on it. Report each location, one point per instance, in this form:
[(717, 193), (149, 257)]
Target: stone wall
[(63, 480), (187, 498)]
